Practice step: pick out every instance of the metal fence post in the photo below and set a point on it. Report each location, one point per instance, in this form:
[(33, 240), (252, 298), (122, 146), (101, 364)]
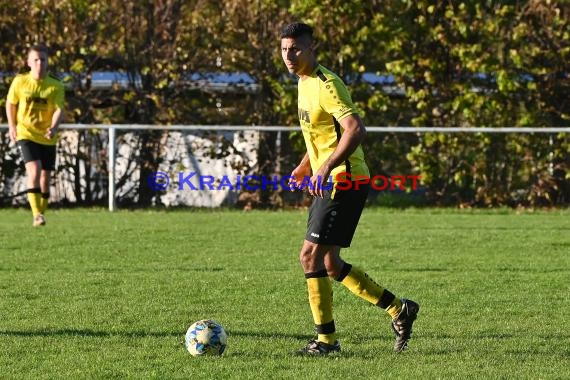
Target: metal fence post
[(111, 167)]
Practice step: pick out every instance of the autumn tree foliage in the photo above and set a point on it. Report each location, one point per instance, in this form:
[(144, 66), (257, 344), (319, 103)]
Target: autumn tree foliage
[(451, 63)]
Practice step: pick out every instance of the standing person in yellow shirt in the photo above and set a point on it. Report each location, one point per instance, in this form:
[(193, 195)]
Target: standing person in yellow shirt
[(34, 108), (333, 133)]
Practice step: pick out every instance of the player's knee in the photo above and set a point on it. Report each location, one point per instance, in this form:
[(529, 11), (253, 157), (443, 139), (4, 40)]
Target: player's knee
[(305, 257), (308, 256), (33, 170)]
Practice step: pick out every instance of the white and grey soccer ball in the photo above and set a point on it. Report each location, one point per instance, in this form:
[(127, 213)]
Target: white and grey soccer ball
[(206, 337)]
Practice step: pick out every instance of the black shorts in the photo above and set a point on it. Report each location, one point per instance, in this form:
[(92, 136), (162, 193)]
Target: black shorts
[(33, 151), (334, 221)]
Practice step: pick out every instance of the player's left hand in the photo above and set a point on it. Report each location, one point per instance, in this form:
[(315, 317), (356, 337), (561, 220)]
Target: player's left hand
[(50, 133), (319, 182)]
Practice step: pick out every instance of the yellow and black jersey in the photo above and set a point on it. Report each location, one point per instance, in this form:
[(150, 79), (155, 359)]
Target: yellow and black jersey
[(323, 102), (37, 100)]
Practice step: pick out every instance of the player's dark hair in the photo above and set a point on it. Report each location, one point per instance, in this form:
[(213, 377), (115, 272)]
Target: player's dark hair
[(296, 30), (40, 48)]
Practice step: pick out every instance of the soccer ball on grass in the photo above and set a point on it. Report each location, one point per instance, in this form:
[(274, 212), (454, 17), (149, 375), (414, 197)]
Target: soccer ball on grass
[(206, 337)]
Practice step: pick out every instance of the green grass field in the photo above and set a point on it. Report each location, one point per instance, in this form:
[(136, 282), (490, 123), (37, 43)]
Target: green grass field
[(96, 294)]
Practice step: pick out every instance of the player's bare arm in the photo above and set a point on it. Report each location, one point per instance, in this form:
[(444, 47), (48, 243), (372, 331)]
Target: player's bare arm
[(11, 115), (55, 122), (353, 135)]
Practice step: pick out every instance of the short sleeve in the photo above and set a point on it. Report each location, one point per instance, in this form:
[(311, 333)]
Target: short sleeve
[(13, 93), (336, 100), (59, 98)]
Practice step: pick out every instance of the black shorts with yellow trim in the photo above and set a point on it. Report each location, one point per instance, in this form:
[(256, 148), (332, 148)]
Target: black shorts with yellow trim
[(32, 151), (334, 217)]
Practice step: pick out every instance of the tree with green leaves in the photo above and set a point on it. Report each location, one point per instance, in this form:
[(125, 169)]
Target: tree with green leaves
[(469, 63)]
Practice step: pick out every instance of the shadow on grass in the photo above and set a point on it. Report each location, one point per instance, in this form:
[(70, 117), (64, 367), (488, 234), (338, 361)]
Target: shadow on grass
[(87, 333), (90, 333), (491, 228)]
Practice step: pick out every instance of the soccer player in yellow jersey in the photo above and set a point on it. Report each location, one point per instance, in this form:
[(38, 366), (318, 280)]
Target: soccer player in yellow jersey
[(333, 132), (34, 108)]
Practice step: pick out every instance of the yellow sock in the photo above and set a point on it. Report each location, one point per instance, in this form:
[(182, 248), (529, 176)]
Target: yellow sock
[(394, 308), (34, 198), (320, 298), (44, 202), (359, 283)]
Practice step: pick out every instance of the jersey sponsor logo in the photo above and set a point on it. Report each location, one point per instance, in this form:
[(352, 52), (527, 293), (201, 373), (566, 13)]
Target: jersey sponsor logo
[(314, 235)]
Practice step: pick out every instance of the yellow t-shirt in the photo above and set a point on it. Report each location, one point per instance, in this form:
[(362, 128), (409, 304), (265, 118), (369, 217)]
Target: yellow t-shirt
[(323, 102), (37, 101)]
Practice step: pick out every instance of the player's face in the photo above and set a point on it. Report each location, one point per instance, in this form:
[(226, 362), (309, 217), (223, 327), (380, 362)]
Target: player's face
[(297, 55), (38, 63)]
